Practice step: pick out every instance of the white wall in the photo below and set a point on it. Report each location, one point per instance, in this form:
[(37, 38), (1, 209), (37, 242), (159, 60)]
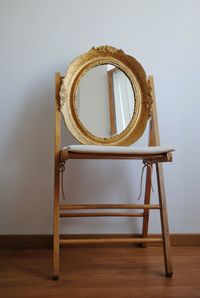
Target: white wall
[(39, 38)]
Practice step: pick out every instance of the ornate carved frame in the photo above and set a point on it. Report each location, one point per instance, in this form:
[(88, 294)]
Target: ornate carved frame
[(142, 91)]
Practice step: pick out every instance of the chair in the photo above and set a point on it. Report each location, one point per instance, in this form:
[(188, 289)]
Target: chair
[(125, 71)]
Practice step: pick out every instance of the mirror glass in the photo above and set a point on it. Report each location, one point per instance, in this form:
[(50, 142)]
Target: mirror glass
[(105, 100)]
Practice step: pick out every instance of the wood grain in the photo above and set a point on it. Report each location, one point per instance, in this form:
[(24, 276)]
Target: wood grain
[(102, 214), (56, 178), (111, 240), (164, 221), (107, 206), (120, 272)]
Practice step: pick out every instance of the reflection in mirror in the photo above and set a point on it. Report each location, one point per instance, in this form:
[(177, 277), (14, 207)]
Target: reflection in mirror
[(105, 101)]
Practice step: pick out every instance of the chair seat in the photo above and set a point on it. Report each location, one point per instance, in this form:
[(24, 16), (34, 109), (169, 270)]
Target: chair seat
[(115, 150)]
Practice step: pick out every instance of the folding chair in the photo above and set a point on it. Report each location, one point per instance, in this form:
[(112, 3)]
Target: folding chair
[(115, 146)]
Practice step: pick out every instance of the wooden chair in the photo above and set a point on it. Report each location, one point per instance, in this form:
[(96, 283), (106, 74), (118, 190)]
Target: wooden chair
[(151, 155)]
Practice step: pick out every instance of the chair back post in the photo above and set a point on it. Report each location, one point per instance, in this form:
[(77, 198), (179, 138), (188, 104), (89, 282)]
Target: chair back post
[(154, 137), (153, 140), (57, 145)]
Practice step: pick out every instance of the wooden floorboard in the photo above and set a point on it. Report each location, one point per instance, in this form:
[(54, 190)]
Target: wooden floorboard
[(46, 241), (100, 272)]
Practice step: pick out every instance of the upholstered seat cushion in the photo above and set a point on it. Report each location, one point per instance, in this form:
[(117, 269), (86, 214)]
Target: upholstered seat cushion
[(118, 149)]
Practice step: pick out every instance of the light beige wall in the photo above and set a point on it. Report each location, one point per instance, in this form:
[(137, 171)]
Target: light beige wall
[(39, 38)]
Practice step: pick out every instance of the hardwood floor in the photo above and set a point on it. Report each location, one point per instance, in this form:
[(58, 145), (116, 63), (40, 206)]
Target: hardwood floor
[(100, 272)]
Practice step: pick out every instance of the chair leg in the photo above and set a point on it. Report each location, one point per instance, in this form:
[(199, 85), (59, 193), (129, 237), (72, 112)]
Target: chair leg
[(56, 226), (56, 247), (146, 201), (164, 221)]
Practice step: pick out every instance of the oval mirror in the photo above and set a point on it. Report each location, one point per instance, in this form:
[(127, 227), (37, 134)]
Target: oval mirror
[(105, 97), (105, 101)]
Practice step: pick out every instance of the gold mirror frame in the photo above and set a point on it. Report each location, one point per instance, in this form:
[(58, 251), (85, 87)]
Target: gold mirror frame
[(141, 87)]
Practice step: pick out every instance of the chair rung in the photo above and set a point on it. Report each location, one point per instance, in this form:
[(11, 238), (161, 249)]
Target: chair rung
[(111, 240), (101, 214), (107, 206)]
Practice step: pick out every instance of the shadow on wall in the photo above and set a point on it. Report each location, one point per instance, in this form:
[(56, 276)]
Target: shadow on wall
[(27, 184)]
